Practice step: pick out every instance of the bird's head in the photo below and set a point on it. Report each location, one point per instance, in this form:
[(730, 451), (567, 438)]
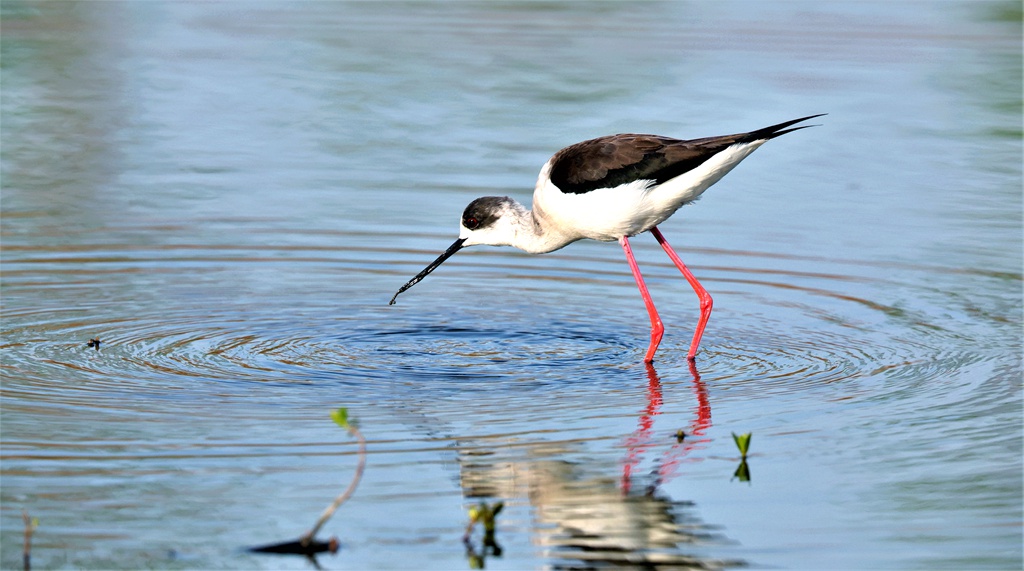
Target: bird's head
[(489, 220)]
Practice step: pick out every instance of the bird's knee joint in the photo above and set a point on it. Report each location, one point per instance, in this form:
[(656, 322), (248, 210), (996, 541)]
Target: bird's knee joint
[(706, 303)]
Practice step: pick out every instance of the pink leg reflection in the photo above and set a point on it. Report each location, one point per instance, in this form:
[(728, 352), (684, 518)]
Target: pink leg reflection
[(641, 440)]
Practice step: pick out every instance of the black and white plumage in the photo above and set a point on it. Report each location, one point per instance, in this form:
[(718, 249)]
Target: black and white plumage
[(611, 188)]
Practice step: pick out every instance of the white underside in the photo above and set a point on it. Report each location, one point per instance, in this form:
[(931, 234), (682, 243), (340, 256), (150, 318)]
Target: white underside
[(610, 213)]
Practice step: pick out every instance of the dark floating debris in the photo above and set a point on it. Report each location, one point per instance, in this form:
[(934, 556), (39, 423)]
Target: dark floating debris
[(298, 548), (680, 435), (94, 343)]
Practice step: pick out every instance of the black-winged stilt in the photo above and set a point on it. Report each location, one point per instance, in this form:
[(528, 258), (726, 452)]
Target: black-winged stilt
[(612, 188)]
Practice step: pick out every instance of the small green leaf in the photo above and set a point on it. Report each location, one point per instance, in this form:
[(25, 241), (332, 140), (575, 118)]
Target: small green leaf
[(742, 442), (340, 416), (35, 522)]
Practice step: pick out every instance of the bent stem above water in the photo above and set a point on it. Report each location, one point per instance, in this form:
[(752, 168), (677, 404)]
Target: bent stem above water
[(340, 416)]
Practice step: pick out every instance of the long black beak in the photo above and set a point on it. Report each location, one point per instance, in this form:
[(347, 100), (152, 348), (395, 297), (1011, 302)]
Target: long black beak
[(433, 266)]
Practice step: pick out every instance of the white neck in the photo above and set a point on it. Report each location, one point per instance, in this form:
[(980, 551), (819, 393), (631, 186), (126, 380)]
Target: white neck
[(520, 228)]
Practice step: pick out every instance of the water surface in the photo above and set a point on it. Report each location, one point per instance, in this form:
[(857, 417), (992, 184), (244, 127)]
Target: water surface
[(227, 195)]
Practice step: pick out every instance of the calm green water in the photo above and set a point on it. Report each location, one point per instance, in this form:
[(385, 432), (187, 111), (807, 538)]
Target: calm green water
[(228, 194)]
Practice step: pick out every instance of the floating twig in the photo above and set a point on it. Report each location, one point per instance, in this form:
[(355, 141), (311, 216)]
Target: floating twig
[(298, 547)]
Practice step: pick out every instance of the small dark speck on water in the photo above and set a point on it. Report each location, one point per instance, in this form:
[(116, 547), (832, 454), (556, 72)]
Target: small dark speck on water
[(95, 343)]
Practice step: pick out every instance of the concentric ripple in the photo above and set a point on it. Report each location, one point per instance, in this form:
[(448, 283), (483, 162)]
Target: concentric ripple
[(294, 316)]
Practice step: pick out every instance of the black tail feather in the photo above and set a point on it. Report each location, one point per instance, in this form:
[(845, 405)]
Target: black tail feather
[(780, 129)]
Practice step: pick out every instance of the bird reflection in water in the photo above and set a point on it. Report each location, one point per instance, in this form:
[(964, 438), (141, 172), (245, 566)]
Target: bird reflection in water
[(585, 521)]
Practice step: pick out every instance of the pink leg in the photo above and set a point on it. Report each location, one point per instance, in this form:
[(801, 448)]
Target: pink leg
[(657, 329), (705, 297)]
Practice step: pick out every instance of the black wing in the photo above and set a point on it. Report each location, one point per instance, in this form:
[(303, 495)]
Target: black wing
[(607, 162)]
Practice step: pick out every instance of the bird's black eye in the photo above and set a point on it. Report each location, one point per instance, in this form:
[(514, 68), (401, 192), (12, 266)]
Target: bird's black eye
[(470, 222)]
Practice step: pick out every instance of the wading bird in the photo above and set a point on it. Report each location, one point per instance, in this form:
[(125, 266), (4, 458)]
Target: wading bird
[(612, 188)]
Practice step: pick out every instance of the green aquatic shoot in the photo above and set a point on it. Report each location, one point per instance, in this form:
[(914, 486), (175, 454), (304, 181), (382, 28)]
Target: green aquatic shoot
[(485, 515), (340, 417), (743, 443)]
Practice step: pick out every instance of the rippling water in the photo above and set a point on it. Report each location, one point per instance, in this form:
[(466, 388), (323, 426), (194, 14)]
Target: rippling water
[(227, 195)]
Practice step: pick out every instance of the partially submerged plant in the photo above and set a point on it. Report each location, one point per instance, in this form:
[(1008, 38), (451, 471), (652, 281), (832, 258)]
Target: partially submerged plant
[(743, 443), (340, 417), (485, 515), (30, 527), (307, 544)]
